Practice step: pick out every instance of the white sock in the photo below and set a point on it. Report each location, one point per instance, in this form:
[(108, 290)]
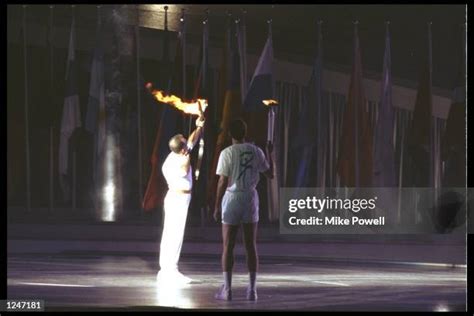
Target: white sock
[(253, 280), (227, 280)]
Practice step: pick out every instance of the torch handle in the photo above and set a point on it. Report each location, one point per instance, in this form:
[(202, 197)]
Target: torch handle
[(271, 124)]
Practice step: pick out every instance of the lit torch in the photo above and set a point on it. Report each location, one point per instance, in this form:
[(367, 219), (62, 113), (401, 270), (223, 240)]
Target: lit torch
[(192, 107), (271, 119)]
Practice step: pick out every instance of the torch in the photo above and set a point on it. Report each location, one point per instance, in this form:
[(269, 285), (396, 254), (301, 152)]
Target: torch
[(271, 119), (196, 107)]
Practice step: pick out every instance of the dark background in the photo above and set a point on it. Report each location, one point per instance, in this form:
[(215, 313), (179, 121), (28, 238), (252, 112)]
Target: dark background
[(294, 38)]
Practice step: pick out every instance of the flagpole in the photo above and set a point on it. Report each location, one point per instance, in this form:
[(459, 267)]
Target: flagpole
[(330, 139), (206, 51), (433, 126), (244, 49), (74, 146), (319, 167), (27, 132), (139, 108), (400, 173), (96, 142), (51, 172), (74, 179), (51, 87), (183, 42), (356, 23)]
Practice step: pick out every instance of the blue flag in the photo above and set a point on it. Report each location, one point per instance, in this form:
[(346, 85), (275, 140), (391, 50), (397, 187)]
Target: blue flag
[(311, 137), (384, 159)]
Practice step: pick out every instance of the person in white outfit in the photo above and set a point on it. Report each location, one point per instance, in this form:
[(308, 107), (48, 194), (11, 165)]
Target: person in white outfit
[(178, 174), (239, 167)]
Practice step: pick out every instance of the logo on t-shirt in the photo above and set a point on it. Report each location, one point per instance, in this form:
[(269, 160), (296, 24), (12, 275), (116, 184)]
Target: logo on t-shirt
[(245, 163)]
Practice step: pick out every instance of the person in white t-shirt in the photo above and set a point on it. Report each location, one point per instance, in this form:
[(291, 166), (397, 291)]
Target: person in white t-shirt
[(239, 167), (178, 174)]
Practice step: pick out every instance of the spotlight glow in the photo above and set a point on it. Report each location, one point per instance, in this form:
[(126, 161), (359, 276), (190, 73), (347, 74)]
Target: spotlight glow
[(441, 307), (173, 295), (109, 197), (109, 191)]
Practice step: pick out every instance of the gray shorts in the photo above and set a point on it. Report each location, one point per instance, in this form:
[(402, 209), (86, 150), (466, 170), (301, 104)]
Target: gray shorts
[(240, 207)]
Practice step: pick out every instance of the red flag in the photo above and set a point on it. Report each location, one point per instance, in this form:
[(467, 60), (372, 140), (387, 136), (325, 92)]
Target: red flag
[(355, 157)]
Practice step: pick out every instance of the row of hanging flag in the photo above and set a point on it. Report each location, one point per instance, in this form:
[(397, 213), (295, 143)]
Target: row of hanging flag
[(364, 159)]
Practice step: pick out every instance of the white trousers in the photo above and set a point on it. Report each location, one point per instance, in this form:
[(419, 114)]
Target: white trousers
[(175, 211)]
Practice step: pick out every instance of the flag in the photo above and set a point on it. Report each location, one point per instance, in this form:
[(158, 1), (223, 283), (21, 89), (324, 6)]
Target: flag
[(95, 123), (71, 117), (384, 177), (355, 149), (311, 135), (169, 125), (261, 88), (231, 110), (384, 156), (418, 163), (304, 141), (232, 98), (95, 116)]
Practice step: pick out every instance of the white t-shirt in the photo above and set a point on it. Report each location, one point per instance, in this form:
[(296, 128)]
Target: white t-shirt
[(242, 163), (174, 173)]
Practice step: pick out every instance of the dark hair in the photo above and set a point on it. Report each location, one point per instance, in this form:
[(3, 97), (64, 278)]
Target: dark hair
[(238, 129), (177, 143)]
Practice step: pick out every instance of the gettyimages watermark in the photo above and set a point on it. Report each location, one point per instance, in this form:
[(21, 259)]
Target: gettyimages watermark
[(375, 210)]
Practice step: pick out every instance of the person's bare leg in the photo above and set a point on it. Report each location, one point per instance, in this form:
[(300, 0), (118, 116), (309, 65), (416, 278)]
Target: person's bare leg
[(229, 234), (250, 242)]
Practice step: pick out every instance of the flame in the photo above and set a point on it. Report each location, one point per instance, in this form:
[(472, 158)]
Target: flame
[(192, 108), (270, 102)]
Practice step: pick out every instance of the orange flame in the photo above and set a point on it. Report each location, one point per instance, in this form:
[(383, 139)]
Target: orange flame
[(194, 108), (270, 102)]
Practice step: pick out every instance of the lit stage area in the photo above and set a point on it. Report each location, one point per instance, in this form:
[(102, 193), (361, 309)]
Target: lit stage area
[(76, 282)]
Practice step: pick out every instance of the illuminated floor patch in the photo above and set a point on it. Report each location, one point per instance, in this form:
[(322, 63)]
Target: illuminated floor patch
[(130, 282)]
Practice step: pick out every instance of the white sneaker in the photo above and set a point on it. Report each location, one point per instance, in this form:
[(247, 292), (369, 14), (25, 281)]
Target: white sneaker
[(251, 294), (162, 277), (172, 279), (181, 278), (223, 294)]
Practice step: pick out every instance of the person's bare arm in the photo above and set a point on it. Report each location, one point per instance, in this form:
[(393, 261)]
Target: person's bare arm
[(196, 134), (187, 164), (221, 187), (269, 173), (194, 137)]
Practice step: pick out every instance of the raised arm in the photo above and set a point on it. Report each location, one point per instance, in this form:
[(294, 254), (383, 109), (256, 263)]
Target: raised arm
[(194, 137)]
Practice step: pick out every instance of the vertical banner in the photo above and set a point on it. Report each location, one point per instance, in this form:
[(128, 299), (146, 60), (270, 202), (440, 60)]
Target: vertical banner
[(71, 117), (355, 146)]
